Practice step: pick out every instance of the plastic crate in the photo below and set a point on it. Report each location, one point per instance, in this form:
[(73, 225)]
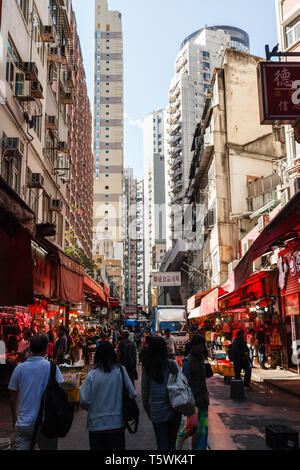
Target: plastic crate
[(282, 438)]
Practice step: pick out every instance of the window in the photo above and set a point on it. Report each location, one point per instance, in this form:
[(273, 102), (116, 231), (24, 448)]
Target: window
[(14, 76), (205, 54), (293, 32), (37, 35), (47, 215), (24, 5), (206, 76)]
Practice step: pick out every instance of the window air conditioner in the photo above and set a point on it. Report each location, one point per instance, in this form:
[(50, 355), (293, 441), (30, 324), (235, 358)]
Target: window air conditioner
[(63, 147), (37, 90), (31, 71), (47, 34), (36, 181), (13, 146), (56, 205)]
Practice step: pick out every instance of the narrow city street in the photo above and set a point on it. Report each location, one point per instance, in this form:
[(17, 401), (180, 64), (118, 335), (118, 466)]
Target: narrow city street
[(233, 425)]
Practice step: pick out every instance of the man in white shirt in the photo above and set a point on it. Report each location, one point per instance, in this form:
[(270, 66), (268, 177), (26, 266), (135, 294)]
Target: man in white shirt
[(171, 344), (27, 385)]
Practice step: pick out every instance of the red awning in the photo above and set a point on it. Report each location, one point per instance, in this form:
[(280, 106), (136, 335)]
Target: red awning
[(95, 291), (285, 225), (114, 302), (210, 303), (195, 301), (14, 212), (259, 285), (69, 287), (16, 273)]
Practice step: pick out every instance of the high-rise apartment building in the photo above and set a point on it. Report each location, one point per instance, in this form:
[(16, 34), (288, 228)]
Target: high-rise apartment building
[(108, 132), (199, 55), (45, 118), (133, 239), (155, 210), (79, 214), (288, 22)]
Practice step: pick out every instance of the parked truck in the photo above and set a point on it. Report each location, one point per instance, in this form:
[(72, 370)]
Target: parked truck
[(174, 318)]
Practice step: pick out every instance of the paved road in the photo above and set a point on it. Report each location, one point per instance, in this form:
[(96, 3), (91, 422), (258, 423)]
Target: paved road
[(233, 425)]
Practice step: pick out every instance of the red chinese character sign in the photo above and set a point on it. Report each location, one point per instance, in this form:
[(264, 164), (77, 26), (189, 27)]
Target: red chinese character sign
[(279, 92)]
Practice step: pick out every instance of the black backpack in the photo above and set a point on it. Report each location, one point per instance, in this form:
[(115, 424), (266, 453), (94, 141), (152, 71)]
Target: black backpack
[(56, 413), (130, 408)]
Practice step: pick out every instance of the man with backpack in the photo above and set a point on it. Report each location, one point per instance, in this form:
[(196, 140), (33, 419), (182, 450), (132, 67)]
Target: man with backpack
[(27, 386), (128, 355)]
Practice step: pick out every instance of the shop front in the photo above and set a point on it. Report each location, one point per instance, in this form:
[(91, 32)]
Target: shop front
[(289, 283)]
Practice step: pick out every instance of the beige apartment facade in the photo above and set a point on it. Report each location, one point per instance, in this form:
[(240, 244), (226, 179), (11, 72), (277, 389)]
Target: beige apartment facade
[(108, 132), (235, 177), (288, 25), (35, 99)]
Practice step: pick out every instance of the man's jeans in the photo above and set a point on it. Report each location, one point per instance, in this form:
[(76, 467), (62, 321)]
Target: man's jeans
[(252, 349), (23, 439)]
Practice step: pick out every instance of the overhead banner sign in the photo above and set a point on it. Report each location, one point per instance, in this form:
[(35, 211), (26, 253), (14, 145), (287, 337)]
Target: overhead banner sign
[(279, 92), (166, 279)]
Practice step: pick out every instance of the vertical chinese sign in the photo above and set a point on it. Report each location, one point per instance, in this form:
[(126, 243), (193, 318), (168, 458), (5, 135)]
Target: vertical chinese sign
[(279, 92)]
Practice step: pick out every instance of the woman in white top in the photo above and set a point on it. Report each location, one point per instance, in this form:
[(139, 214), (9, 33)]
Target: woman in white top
[(101, 395)]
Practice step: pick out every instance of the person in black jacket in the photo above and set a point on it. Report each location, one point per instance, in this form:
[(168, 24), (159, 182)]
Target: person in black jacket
[(241, 358)]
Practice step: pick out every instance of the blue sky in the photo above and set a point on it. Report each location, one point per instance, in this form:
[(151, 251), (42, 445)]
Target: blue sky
[(153, 31)]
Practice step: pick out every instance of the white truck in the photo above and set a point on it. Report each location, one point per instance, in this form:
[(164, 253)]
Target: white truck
[(175, 318)]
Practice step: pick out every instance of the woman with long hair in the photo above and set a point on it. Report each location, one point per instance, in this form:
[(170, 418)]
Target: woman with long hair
[(102, 395), (166, 421)]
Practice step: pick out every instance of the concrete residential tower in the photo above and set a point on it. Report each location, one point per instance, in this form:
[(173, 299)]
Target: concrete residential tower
[(108, 133), (155, 210)]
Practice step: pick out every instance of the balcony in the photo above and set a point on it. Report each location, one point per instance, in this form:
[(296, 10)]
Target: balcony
[(263, 191), (174, 151), (176, 162)]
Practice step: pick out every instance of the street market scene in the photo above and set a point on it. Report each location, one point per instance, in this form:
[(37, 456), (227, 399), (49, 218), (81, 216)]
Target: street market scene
[(149, 227)]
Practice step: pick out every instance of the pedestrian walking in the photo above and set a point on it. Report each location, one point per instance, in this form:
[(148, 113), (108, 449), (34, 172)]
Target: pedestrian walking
[(171, 344), (51, 345), (261, 347), (194, 370), (61, 346), (166, 421), (27, 385), (240, 356), (187, 348), (251, 344), (127, 354), (102, 395), (76, 351)]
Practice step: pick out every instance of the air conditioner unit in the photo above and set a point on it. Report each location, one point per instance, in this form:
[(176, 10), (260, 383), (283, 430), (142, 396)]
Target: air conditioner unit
[(47, 34), (62, 147), (56, 205), (23, 91), (31, 71), (37, 90), (262, 222), (51, 123), (257, 265), (53, 54), (67, 98), (36, 181), (13, 146)]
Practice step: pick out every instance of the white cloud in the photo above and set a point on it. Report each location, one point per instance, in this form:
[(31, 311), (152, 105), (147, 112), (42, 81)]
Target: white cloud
[(136, 123)]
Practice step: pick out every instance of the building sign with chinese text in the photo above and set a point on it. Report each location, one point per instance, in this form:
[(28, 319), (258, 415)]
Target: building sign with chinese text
[(166, 279), (279, 91)]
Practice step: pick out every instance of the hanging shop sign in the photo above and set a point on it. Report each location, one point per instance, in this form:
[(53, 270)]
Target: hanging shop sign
[(166, 279), (292, 304), (132, 310), (279, 92)]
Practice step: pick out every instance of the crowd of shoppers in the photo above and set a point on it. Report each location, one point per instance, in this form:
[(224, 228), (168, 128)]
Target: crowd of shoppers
[(102, 393)]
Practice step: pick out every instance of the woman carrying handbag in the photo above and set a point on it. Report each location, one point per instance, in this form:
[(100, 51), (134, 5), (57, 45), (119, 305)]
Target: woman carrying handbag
[(102, 394)]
